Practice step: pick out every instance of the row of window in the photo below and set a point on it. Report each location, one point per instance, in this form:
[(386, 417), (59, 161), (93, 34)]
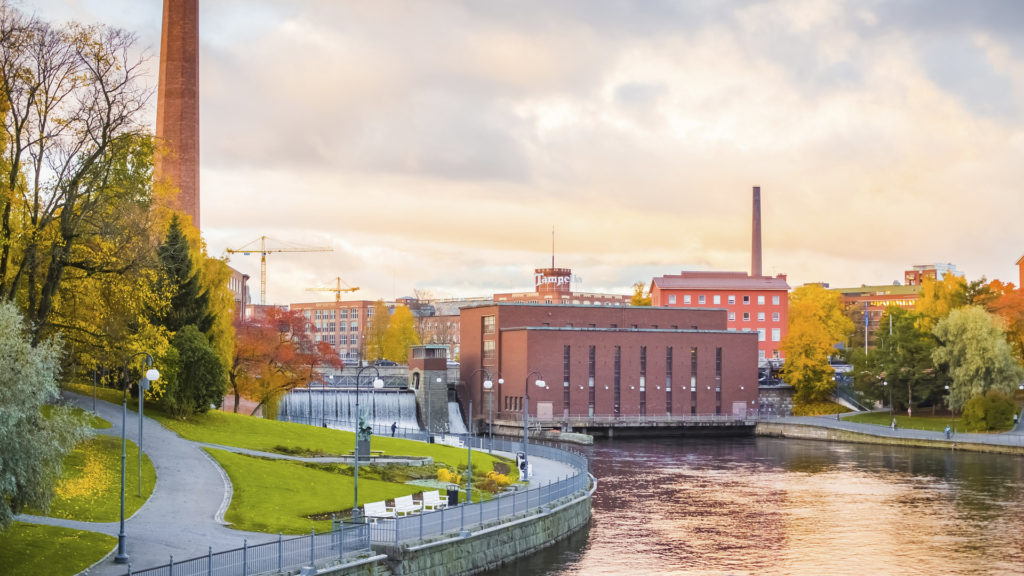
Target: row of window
[(352, 325), (341, 339), (334, 313), (717, 299), (760, 316)]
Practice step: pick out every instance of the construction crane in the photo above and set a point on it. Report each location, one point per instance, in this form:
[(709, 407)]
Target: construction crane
[(337, 290), (260, 245)]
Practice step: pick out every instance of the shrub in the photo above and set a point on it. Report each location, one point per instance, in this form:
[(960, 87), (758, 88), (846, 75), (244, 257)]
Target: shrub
[(818, 409), (446, 475), (993, 411)]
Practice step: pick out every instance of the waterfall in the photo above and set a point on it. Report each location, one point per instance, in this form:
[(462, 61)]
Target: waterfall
[(455, 423), (336, 408)]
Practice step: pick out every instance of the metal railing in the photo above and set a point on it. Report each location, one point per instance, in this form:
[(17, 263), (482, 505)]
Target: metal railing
[(466, 516), (583, 420), (345, 541)]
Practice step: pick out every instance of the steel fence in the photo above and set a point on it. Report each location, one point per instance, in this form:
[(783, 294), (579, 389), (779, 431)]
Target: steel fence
[(345, 541)]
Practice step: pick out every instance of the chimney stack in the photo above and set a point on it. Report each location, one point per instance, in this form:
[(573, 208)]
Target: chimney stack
[(755, 241)]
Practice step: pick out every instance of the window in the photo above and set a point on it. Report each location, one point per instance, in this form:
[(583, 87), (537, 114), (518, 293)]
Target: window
[(343, 313), (775, 300), (775, 316), (353, 325), (717, 298), (701, 299), (488, 324), (776, 334), (761, 335), (746, 299), (686, 298), (732, 316), (353, 339), (746, 316), (760, 354), (732, 299), (488, 349), (671, 298), (760, 299), (775, 354), (760, 316)]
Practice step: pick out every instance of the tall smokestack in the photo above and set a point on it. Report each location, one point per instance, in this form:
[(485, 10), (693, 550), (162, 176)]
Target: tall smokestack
[(755, 240)]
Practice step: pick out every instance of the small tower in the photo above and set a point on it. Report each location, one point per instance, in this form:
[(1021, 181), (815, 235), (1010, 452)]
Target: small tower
[(428, 377)]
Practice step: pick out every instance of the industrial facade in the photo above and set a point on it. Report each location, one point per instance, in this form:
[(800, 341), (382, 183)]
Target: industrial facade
[(604, 363)]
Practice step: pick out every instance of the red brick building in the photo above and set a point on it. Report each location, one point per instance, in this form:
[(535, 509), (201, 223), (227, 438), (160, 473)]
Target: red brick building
[(554, 286), (340, 324), (601, 362), (752, 303)]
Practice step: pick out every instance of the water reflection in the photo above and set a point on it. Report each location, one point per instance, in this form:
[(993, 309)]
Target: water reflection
[(771, 506)]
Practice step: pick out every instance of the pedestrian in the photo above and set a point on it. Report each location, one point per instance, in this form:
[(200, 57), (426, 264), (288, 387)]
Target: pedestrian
[(893, 424), (394, 426), (947, 431), (909, 414)]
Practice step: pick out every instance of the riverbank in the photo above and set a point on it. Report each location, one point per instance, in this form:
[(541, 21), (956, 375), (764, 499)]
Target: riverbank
[(828, 428)]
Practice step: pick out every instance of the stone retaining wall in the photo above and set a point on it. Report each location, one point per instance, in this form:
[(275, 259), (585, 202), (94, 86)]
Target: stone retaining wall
[(476, 552), (806, 432)]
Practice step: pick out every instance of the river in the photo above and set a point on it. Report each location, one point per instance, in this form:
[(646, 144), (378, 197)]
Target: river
[(790, 507)]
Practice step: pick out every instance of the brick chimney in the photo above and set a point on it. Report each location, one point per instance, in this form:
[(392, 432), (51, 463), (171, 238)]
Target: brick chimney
[(755, 241)]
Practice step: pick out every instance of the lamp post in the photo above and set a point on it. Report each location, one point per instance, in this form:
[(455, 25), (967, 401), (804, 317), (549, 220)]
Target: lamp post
[(361, 434), (486, 384), (151, 375), (489, 386), (885, 384), (526, 419)]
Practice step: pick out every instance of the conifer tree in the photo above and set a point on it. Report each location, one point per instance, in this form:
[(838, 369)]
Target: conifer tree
[(190, 304)]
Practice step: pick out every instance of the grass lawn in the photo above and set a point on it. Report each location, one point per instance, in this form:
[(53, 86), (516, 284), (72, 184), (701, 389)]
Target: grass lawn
[(90, 485), (91, 419), (937, 423), (35, 549), (108, 394), (280, 496)]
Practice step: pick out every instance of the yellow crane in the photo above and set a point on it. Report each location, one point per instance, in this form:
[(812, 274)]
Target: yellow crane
[(337, 290), (260, 245)]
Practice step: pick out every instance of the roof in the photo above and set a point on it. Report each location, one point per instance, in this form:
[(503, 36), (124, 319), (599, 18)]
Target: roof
[(720, 281), (884, 289)]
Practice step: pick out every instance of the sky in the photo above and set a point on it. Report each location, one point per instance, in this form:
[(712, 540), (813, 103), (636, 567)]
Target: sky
[(434, 145)]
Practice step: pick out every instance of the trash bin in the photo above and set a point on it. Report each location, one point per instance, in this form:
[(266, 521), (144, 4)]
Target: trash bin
[(521, 461), (453, 495), (430, 439)]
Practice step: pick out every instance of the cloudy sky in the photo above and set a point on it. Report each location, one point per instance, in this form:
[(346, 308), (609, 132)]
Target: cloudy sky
[(434, 144)]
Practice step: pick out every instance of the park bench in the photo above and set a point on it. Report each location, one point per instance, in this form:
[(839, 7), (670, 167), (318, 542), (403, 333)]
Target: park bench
[(452, 441), (375, 510), (405, 505), (432, 501)]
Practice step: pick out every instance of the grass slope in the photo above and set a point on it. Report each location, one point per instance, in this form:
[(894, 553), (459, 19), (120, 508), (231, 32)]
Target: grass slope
[(35, 549), (279, 495), (936, 423)]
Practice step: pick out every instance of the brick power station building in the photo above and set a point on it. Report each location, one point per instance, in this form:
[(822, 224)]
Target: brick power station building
[(604, 364)]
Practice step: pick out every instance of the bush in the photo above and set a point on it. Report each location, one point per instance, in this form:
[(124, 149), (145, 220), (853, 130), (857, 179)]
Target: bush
[(993, 411), (446, 475), (818, 409)]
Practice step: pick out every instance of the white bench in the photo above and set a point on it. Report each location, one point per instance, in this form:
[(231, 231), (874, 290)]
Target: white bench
[(375, 510), (432, 501), (405, 505), (452, 441)]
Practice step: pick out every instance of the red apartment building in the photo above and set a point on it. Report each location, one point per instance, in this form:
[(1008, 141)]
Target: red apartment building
[(604, 363), (340, 324), (752, 303)]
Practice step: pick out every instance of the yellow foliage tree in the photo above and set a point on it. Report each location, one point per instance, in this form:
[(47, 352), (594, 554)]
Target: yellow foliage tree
[(938, 298), (400, 335), (816, 325), (376, 332)]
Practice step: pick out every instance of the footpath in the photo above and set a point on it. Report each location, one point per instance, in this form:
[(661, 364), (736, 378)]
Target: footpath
[(184, 516)]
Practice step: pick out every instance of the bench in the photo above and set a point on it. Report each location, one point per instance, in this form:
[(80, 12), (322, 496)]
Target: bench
[(432, 501), (452, 441), (375, 510), (405, 505)]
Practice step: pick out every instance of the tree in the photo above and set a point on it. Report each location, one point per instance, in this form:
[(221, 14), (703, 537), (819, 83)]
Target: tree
[(197, 379), (904, 359), (816, 325), (190, 304), (74, 125), (400, 335), (938, 298), (641, 295), (1007, 302), (376, 332), (974, 352), (32, 446)]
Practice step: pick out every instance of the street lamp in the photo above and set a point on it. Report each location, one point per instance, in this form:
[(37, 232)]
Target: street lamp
[(526, 419), (362, 434), (488, 385), (886, 385), (150, 375), (485, 384)]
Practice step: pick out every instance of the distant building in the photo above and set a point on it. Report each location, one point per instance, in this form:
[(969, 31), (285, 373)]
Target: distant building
[(916, 275), (752, 303), (340, 324), (605, 362), (554, 286), (238, 285), (872, 302)]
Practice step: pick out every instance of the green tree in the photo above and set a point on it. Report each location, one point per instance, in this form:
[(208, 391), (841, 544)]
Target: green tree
[(904, 360), (816, 325), (189, 304), (991, 411), (374, 342), (197, 378), (641, 295), (974, 352), (31, 446), (400, 335)]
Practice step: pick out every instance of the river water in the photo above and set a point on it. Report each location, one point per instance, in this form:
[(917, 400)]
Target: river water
[(791, 507)]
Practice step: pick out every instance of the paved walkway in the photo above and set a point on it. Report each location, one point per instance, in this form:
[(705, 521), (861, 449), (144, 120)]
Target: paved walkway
[(184, 515), (1013, 437)]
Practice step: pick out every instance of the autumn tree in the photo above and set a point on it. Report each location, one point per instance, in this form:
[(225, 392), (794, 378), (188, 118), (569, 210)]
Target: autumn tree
[(816, 325), (938, 298), (641, 295), (1007, 302), (400, 335), (974, 352), (375, 338)]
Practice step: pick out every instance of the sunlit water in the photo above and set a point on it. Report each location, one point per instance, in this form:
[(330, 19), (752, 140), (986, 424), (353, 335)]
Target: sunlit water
[(769, 506)]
